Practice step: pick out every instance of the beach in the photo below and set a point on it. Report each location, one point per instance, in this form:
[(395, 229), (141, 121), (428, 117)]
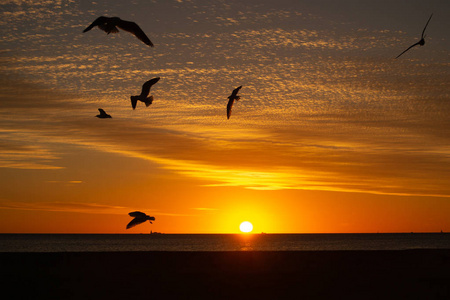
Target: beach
[(401, 274)]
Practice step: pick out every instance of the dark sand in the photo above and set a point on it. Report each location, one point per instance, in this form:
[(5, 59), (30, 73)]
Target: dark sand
[(409, 274)]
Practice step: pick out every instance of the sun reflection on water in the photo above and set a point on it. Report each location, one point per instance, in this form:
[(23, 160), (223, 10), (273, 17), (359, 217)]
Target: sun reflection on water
[(246, 242)]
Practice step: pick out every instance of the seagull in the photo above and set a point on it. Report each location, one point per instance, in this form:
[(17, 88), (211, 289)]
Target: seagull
[(103, 114), (231, 98), (109, 25), (422, 40), (139, 217), (144, 93)]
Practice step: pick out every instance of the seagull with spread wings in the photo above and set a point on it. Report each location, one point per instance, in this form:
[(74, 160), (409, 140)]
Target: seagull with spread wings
[(103, 114), (109, 25), (139, 217), (231, 99), (143, 97), (422, 40)]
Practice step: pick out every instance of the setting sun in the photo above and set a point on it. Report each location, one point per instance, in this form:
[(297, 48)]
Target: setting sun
[(246, 226)]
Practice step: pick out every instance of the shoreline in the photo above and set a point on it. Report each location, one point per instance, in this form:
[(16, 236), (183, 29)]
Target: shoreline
[(347, 274)]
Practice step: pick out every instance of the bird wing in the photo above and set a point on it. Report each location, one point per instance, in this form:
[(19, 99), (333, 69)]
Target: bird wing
[(235, 91), (102, 112), (99, 21), (136, 221), (146, 86), (229, 106), (137, 214), (408, 49), (136, 30), (133, 102), (423, 32)]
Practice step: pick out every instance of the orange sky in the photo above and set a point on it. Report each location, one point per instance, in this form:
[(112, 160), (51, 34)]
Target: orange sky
[(331, 133)]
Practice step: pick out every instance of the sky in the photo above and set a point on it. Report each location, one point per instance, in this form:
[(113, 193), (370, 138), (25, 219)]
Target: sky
[(332, 134)]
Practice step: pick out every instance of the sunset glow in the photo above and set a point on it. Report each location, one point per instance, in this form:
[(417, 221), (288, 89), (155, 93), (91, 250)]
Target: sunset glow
[(331, 134)]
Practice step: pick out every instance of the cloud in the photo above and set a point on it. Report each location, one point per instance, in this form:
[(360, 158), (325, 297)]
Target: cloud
[(79, 207), (90, 208), (17, 154), (352, 151), (205, 209), (70, 182), (321, 109)]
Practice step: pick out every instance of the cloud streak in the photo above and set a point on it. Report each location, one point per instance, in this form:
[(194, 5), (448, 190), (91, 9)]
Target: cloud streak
[(90, 208), (79, 207)]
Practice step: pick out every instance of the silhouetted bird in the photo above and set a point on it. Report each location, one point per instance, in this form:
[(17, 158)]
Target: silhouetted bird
[(144, 93), (231, 98), (422, 40), (103, 114), (109, 25), (139, 217)]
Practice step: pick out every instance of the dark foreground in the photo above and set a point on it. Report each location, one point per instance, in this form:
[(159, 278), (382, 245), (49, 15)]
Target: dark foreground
[(409, 274)]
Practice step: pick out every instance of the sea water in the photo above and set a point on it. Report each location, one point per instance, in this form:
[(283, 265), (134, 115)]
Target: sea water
[(220, 242)]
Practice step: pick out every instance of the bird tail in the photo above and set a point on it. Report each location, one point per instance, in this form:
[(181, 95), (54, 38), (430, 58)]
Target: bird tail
[(148, 101), (134, 100)]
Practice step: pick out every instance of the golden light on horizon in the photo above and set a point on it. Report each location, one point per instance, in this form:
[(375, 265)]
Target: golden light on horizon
[(246, 227)]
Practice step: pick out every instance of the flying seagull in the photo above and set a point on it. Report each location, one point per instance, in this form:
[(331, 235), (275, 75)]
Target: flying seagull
[(144, 93), (422, 40), (231, 98), (139, 217), (109, 25), (103, 114)]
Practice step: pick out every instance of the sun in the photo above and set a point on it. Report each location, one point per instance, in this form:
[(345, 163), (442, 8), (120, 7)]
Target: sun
[(246, 226)]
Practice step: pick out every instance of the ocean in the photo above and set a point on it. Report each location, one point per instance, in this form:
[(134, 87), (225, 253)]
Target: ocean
[(321, 141), (220, 242)]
